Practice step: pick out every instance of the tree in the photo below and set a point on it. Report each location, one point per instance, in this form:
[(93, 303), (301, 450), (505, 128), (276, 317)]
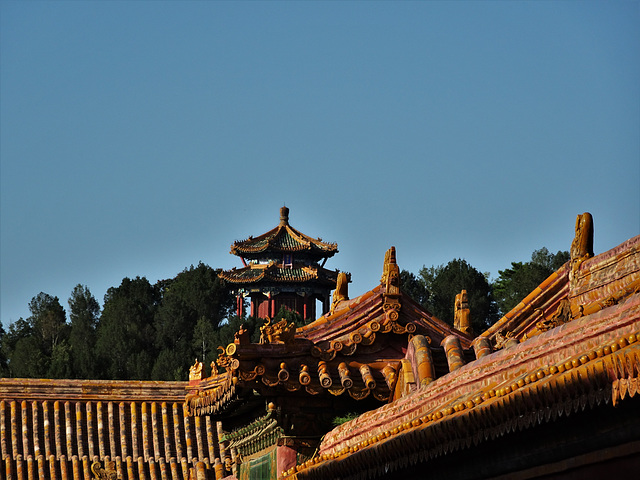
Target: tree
[(48, 321), (33, 347), (194, 297), (415, 287), (27, 359), (206, 341), (445, 281), (125, 331), (60, 365), (226, 332), (24, 354), (4, 361), (18, 330), (548, 260), (84, 312), (515, 283)]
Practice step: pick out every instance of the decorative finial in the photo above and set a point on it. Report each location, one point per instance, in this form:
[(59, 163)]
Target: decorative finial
[(462, 313), (284, 216), (341, 292), (582, 245)]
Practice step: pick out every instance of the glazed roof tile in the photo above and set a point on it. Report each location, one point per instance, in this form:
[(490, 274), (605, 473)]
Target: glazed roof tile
[(602, 279), (357, 349), (540, 395), (53, 428), (281, 239), (590, 359), (277, 273), (366, 315)]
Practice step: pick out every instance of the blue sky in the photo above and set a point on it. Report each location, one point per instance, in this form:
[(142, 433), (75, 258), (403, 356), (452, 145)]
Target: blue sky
[(138, 138)]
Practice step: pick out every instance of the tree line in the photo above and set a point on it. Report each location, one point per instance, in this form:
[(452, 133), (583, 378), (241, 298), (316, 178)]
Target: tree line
[(156, 331), (436, 287)]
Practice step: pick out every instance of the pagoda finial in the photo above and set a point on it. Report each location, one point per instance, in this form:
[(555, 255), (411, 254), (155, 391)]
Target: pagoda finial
[(284, 216)]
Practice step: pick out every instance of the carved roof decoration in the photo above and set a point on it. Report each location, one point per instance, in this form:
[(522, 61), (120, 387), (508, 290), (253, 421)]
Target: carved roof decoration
[(383, 309), (571, 345), (357, 350), (571, 293), (282, 239)]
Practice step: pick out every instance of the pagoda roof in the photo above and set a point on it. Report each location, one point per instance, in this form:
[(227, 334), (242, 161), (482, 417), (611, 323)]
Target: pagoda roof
[(554, 364), (276, 273), (356, 349), (282, 239), (49, 427), (366, 315)]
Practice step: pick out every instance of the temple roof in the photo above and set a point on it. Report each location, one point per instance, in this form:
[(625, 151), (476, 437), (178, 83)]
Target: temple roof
[(584, 355), (555, 364), (57, 428), (570, 294), (283, 239), (358, 348), (275, 273)]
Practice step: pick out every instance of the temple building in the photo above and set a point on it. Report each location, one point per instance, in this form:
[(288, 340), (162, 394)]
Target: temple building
[(549, 391), (282, 268), (298, 380), (375, 388)]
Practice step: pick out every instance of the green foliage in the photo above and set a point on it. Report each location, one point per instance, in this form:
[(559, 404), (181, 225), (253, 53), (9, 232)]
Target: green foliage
[(193, 305), (4, 359), (168, 367), (125, 331), (548, 260), (347, 417), (48, 321), (60, 365), (84, 312), (515, 283), (415, 287), (206, 340), (17, 330), (446, 281), (290, 316), (156, 331), (27, 360), (31, 346), (227, 331), (144, 331)]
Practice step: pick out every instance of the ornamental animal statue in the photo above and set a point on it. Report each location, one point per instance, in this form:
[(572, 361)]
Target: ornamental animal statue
[(582, 244), (241, 337), (195, 371), (391, 273), (462, 315), (277, 333), (341, 292), (106, 473)]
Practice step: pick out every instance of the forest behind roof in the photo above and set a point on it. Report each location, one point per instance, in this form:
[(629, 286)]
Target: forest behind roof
[(155, 331)]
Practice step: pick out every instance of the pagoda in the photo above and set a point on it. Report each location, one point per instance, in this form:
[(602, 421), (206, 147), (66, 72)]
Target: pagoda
[(282, 268)]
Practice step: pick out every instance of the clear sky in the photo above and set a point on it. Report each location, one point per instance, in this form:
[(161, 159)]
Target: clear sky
[(138, 138)]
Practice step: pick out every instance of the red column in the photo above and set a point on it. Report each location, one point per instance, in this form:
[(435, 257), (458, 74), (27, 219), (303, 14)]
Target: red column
[(305, 301)]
